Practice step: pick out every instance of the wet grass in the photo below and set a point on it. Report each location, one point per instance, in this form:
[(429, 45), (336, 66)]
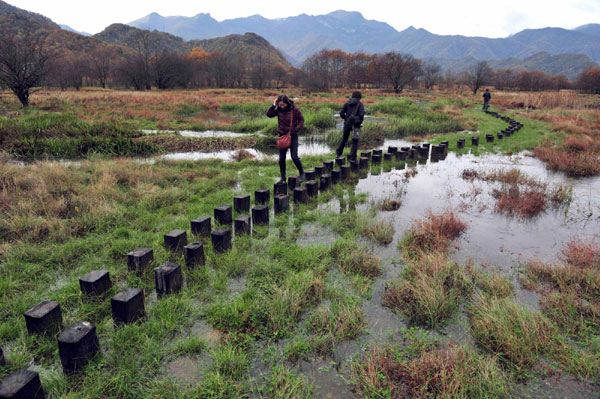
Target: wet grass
[(430, 290), (520, 195), (60, 135), (58, 222), (520, 338), (404, 118), (533, 134), (418, 368), (571, 289)]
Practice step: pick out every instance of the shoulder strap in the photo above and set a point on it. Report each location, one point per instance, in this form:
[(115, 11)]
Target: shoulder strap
[(291, 120)]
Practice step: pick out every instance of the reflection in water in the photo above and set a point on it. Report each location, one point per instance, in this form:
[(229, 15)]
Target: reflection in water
[(206, 133), (490, 237)]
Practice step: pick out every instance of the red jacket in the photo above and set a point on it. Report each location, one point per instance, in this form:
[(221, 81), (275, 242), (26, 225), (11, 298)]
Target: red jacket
[(283, 119)]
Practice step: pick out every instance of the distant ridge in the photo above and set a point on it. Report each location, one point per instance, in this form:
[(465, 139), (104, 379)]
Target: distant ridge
[(302, 35), (68, 28), (249, 44)]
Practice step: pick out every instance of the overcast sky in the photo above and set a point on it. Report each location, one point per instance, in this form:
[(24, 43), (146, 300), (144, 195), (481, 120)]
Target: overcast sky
[(459, 17)]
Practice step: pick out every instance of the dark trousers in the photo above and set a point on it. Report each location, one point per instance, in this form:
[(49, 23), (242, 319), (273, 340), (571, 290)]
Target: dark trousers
[(295, 158), (346, 135), (485, 104)]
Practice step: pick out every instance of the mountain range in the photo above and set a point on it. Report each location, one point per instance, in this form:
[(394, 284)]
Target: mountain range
[(300, 36), (551, 50), (120, 39)]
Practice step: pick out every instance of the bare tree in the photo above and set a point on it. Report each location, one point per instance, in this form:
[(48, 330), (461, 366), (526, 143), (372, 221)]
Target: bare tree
[(398, 69), (260, 71), (316, 72), (280, 75), (23, 61), (478, 75), (100, 62), (431, 74)]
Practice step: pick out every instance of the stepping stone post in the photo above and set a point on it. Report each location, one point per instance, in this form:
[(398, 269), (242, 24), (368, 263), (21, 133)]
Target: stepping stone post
[(77, 345), (281, 203), (241, 203), (128, 306), (260, 215), (262, 196), (312, 188), (43, 318), (95, 282), (168, 278), (293, 182), (201, 226), (221, 240), (194, 254), (175, 240), (300, 195), (22, 384), (140, 258), (241, 225), (279, 188), (223, 215)]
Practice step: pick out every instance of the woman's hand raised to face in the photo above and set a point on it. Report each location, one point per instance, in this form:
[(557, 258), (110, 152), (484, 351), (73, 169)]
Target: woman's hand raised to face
[(275, 102)]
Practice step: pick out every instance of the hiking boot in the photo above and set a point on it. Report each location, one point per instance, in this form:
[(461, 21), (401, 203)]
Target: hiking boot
[(302, 178), (282, 181)]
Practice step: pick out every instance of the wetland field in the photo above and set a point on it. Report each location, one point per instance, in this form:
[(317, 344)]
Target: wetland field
[(455, 272)]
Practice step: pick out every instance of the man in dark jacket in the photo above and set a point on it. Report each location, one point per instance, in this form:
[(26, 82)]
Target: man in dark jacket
[(487, 96), (353, 114)]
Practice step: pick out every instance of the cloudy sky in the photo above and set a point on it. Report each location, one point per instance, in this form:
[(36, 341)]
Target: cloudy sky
[(460, 17)]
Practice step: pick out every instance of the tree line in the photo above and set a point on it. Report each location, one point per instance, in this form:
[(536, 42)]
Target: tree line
[(26, 62)]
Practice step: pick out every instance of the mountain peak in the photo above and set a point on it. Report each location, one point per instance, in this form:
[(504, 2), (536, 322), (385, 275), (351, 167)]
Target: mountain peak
[(345, 14)]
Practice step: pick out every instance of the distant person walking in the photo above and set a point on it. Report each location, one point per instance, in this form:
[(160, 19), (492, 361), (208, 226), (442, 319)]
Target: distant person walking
[(353, 114), (487, 96), (290, 121)]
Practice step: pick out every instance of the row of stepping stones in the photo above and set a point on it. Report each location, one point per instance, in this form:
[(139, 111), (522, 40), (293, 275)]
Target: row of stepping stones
[(78, 344)]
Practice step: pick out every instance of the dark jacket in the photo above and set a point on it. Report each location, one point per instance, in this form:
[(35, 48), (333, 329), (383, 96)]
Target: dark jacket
[(348, 110), (283, 118), (487, 96)]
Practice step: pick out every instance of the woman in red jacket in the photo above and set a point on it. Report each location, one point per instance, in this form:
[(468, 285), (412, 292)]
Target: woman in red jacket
[(283, 108)]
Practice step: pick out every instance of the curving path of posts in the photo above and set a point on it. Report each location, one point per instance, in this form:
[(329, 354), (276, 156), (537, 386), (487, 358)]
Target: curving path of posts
[(78, 343)]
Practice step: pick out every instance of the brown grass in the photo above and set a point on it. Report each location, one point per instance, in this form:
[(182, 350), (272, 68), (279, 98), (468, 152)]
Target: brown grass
[(388, 205), (578, 164), (571, 290), (172, 143), (432, 234), (242, 154), (525, 204), (511, 176), (448, 373), (52, 202)]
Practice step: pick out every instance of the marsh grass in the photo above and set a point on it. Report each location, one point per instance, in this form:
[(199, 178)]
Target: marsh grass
[(389, 205), (429, 291), (520, 338), (351, 258), (285, 384), (342, 320), (60, 135), (570, 289), (519, 194), (455, 372), (434, 233)]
